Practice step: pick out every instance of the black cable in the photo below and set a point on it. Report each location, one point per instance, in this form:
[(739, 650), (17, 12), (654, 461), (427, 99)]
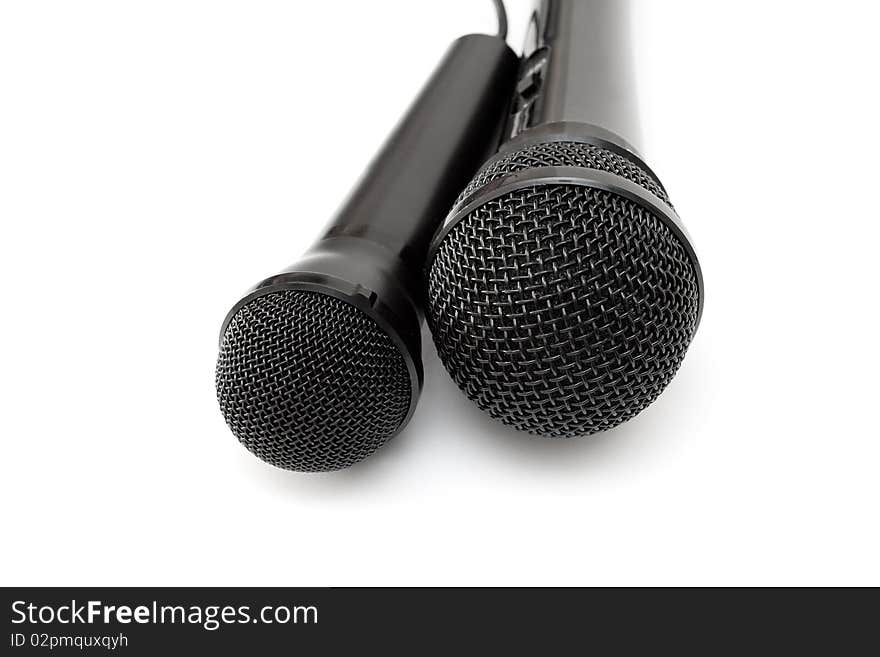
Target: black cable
[(502, 18)]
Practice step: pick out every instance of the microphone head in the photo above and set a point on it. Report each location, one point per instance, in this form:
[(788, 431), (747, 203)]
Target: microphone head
[(310, 382), (562, 291)]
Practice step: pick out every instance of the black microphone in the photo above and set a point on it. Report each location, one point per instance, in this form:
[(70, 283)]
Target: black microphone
[(563, 290), (321, 364)]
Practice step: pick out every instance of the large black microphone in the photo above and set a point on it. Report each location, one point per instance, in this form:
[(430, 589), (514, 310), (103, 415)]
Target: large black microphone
[(321, 364), (563, 290)]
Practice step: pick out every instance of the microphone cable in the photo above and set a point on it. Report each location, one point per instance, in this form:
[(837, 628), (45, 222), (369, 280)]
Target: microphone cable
[(502, 18)]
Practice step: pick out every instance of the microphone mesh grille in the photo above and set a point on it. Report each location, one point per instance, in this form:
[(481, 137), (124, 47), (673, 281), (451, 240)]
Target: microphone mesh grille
[(563, 310), (308, 382)]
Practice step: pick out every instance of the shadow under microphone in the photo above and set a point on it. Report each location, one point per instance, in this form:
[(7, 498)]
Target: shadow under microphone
[(320, 364), (563, 290)]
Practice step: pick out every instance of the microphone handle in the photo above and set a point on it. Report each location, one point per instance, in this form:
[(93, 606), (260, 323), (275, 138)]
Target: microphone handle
[(576, 78), (450, 130)]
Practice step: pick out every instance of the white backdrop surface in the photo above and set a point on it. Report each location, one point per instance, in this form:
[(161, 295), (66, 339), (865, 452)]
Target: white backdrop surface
[(157, 158)]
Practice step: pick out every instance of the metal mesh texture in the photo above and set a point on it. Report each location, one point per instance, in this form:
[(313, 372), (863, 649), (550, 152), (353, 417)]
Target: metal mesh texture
[(563, 310), (564, 154), (310, 383)]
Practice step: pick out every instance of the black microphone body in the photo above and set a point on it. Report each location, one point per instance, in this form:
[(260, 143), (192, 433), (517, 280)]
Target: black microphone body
[(563, 290), (577, 72), (320, 364)]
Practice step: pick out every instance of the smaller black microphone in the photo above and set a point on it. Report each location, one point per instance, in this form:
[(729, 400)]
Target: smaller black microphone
[(321, 364)]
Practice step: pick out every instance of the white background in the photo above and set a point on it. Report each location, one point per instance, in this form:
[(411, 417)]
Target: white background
[(158, 158)]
